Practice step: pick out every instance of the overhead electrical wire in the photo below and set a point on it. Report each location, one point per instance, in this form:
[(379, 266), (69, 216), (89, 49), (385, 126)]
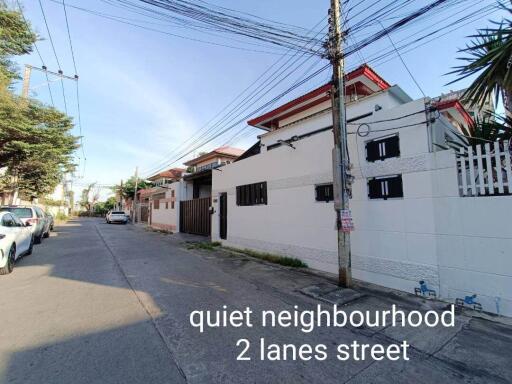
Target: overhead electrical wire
[(55, 54), (213, 132), (134, 23), (79, 114), (250, 98), (207, 18), (395, 26), (38, 54), (221, 19), (405, 65)]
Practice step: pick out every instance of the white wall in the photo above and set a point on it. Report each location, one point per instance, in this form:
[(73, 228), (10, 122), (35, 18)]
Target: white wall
[(292, 223), (167, 216)]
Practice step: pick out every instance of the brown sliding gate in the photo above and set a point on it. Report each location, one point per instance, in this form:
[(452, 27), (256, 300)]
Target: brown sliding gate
[(195, 216)]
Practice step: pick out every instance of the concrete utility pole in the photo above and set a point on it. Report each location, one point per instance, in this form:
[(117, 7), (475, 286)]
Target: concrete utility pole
[(135, 195), (340, 152), (121, 196), (26, 81)]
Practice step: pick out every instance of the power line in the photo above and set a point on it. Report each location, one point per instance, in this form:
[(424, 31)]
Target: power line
[(56, 57), (49, 35), (69, 36), (38, 53), (133, 23), (250, 98), (79, 114), (252, 113), (403, 62)]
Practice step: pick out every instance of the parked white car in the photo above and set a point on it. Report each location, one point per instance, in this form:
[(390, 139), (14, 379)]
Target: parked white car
[(35, 216), (16, 239), (117, 217)]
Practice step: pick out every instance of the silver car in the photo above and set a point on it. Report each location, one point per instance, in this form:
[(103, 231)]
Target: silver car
[(117, 217), (33, 216)]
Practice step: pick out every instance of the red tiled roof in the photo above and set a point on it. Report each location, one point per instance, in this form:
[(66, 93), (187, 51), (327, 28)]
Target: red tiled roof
[(318, 96), (174, 173), (222, 151)]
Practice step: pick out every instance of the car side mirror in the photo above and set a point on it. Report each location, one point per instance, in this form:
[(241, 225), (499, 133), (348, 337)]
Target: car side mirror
[(28, 224)]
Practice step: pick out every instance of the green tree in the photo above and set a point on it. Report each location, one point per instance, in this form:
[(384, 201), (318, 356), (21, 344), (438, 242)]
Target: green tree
[(102, 207), (16, 38), (36, 144), (89, 197), (489, 55), (127, 190)]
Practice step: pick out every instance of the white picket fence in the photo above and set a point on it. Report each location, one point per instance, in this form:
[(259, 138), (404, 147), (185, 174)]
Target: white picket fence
[(485, 172)]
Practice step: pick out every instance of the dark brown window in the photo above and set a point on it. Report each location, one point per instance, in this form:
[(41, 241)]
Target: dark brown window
[(251, 194), (166, 205), (156, 204), (172, 204), (324, 192), (385, 148), (385, 187), (172, 193)]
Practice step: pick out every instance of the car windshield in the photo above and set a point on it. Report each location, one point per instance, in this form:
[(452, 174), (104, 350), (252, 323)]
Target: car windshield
[(23, 213), (118, 213)]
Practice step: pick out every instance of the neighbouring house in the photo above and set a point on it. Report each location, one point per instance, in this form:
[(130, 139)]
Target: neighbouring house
[(163, 200), (166, 177), (475, 112), (139, 211), (196, 189), (420, 212)]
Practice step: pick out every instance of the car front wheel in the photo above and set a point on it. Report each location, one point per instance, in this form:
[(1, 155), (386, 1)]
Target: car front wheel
[(9, 266), (38, 239)]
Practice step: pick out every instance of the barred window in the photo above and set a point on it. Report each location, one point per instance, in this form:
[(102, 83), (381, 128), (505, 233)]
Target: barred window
[(383, 148), (251, 194), (385, 187), (324, 192)]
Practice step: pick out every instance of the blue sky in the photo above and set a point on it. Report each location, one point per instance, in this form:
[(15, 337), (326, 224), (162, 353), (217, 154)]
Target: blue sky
[(143, 93)]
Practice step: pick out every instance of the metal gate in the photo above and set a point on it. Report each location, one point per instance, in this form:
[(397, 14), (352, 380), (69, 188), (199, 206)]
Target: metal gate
[(223, 216), (144, 213), (195, 216)]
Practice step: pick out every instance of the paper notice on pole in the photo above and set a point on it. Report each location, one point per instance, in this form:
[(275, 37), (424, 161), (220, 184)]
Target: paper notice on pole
[(347, 224)]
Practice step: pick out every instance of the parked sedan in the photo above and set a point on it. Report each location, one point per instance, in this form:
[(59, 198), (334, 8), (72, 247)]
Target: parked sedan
[(16, 239), (49, 216), (40, 225), (117, 217)]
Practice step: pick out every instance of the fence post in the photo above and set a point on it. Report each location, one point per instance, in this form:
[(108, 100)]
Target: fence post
[(480, 166), (472, 171), (463, 172), (488, 164), (508, 168), (497, 157)]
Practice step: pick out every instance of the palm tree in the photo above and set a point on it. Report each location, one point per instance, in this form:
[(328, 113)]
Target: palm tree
[(490, 56)]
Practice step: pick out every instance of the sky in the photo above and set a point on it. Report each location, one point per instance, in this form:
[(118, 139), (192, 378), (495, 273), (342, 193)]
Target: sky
[(144, 93)]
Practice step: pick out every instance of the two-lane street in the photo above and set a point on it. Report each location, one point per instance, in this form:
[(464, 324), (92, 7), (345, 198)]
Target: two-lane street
[(99, 303)]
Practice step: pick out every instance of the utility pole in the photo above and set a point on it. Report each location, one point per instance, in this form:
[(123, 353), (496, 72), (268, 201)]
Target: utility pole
[(340, 153), (135, 195), (121, 196), (26, 81)]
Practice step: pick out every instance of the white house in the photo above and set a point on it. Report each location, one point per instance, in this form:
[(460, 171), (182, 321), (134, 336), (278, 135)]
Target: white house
[(412, 219)]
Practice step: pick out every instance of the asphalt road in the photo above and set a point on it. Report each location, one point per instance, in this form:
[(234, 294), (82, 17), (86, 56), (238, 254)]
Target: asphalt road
[(100, 303)]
